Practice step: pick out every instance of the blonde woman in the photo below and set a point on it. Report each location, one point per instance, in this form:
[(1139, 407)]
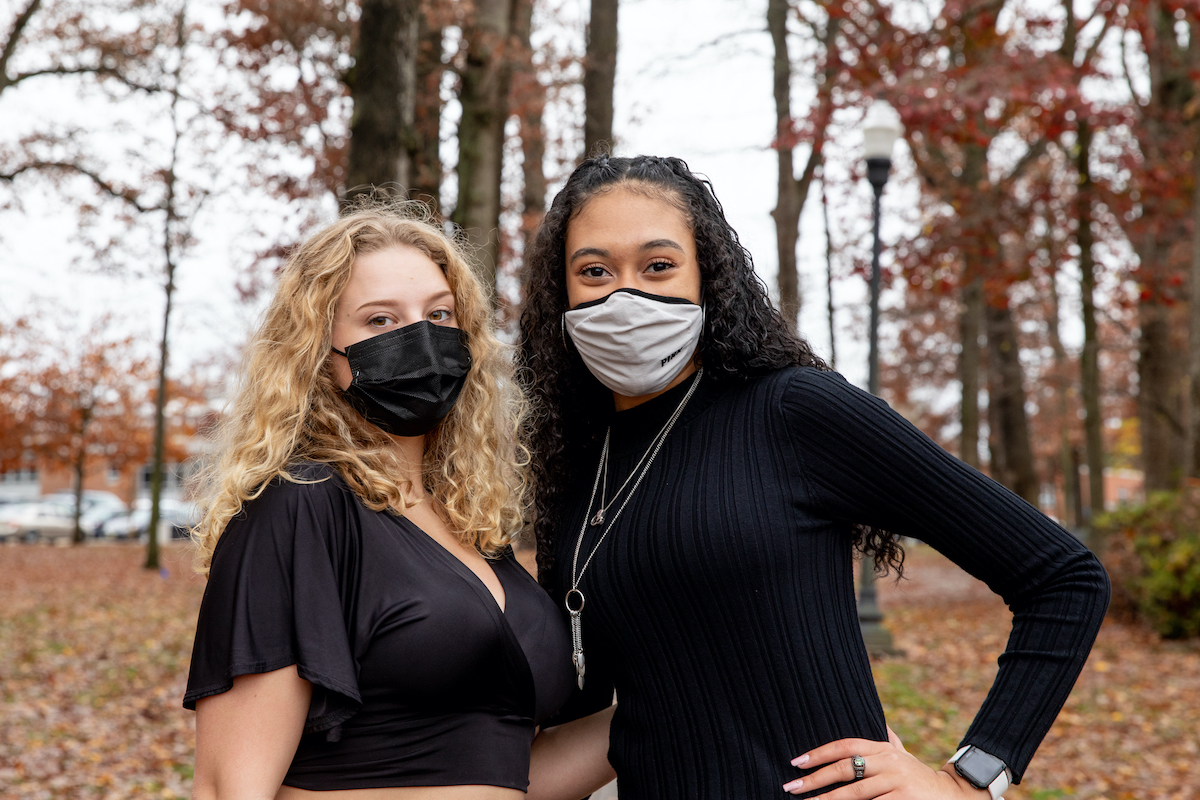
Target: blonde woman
[(365, 632)]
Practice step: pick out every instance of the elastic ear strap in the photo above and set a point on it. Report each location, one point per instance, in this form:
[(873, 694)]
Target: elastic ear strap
[(562, 326), (339, 352)]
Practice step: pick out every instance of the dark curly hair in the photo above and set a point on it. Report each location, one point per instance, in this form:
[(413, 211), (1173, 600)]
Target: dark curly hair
[(744, 335)]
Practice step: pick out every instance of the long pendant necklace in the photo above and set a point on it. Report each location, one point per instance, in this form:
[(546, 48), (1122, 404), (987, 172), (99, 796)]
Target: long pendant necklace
[(598, 517), (575, 600)]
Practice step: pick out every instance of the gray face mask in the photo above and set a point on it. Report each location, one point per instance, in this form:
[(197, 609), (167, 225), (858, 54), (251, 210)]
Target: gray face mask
[(635, 343)]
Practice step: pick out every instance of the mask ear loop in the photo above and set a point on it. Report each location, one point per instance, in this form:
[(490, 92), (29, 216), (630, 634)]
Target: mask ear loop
[(562, 327)]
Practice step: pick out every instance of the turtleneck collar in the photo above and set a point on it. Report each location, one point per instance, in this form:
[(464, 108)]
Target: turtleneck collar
[(636, 427)]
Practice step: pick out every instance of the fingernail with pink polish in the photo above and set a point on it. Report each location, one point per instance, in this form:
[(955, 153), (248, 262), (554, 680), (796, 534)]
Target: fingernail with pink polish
[(799, 761), (793, 785)]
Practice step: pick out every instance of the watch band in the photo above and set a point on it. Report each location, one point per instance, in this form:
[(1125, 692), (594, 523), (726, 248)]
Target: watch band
[(998, 786)]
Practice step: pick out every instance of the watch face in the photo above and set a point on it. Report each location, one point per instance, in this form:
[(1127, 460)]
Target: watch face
[(979, 768)]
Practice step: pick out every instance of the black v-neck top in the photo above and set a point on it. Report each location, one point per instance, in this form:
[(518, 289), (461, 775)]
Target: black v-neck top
[(419, 678), (721, 605)]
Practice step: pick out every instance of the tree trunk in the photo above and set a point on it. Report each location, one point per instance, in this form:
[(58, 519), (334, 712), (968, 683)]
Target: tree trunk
[(80, 468), (1006, 404), (599, 76), (1159, 397), (160, 422), (1077, 482), (789, 203), (969, 321), (1193, 439), (829, 277), (792, 191), (1089, 366), (170, 217), (1065, 461), (427, 113), (1162, 368), (484, 99), (383, 88), (530, 102)]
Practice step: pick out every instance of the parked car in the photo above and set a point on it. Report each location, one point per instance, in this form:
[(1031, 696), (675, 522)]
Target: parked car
[(91, 498), (37, 520), (93, 520), (98, 508), (135, 524)]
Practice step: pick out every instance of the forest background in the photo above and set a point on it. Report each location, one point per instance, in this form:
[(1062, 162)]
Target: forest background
[(1041, 230), (1040, 225)]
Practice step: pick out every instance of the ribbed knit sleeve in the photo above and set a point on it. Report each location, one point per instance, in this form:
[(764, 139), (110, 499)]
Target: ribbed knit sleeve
[(863, 462)]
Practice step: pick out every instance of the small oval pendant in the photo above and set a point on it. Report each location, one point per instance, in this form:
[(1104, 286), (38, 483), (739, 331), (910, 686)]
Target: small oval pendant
[(598, 519)]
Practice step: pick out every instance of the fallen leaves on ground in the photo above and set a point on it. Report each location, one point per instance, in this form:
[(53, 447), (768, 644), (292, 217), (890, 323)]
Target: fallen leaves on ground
[(1129, 731), (93, 660), (94, 653)]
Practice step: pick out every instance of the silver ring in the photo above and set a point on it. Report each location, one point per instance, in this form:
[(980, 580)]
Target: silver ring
[(860, 767), (578, 597)]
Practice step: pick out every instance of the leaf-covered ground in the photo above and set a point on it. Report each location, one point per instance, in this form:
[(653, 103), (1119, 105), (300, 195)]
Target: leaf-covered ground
[(1130, 729), (94, 654)]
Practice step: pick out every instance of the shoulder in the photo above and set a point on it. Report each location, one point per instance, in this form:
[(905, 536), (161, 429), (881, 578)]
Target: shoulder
[(801, 389), (311, 503), (820, 409), (306, 483), (812, 392), (815, 384)]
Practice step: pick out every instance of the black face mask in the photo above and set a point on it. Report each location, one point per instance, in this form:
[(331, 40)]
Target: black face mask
[(407, 380)]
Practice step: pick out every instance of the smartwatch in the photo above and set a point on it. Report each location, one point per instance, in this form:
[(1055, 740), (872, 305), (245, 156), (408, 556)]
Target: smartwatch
[(982, 770)]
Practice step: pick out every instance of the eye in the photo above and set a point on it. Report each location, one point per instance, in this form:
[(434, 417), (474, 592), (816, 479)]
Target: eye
[(379, 321), (659, 266), (441, 315), (594, 271)]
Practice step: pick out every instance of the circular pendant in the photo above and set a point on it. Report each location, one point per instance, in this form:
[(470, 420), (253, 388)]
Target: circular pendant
[(574, 598)]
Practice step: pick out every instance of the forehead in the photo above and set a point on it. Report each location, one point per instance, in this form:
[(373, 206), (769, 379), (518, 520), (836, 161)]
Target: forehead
[(626, 214), (399, 272)]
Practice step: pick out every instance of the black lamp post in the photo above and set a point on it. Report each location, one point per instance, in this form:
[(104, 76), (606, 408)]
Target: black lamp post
[(881, 129)]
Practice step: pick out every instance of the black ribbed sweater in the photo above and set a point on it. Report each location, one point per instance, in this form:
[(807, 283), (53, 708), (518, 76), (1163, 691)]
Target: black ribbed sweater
[(721, 606)]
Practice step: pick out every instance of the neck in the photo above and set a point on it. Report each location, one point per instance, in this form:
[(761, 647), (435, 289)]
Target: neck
[(410, 453), (623, 403)]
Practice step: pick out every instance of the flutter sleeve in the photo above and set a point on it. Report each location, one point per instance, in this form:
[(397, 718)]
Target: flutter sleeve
[(279, 592), (864, 463)]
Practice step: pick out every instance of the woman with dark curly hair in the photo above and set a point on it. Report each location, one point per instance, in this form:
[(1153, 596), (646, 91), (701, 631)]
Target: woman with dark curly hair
[(702, 480)]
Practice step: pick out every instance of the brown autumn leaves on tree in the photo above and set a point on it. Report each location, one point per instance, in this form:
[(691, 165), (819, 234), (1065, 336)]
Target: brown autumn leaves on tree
[(1025, 180), (85, 402)]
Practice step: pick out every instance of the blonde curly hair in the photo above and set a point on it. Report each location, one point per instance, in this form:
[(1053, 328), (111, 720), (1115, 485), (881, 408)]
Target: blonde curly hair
[(288, 407)]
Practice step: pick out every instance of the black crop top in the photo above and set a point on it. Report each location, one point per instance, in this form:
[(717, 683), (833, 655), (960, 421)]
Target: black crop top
[(419, 679)]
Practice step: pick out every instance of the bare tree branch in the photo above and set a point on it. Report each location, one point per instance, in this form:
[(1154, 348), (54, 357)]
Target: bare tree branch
[(103, 72), (126, 195), (1125, 69), (664, 63), (1090, 53), (14, 37)]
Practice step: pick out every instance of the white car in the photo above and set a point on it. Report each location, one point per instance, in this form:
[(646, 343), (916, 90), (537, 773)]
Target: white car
[(181, 516), (37, 520), (98, 508)]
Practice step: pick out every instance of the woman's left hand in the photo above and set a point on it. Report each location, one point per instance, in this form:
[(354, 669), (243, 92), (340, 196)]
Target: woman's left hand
[(891, 772)]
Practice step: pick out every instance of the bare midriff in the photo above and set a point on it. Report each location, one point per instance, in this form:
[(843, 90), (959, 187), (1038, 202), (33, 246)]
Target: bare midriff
[(474, 792)]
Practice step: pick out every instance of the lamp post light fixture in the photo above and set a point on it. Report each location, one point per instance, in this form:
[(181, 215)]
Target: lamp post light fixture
[(881, 129)]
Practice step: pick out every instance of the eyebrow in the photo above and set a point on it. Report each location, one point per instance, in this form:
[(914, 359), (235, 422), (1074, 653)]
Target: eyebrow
[(590, 251), (650, 245), (656, 243), (393, 304)]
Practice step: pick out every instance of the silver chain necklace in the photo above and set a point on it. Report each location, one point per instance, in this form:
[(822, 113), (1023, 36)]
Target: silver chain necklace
[(575, 601), (598, 518)]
